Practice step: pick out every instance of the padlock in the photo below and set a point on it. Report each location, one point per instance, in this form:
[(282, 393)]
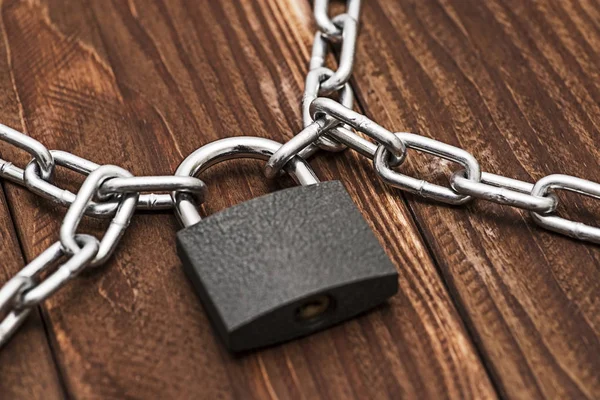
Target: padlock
[(283, 265)]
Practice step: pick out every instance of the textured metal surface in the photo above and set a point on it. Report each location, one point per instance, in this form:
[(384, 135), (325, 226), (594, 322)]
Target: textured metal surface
[(256, 264)]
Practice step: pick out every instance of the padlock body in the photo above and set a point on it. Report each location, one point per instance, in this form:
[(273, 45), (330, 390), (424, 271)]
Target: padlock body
[(285, 265)]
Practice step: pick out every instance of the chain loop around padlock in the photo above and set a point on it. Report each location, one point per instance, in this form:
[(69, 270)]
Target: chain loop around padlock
[(140, 184), (228, 149)]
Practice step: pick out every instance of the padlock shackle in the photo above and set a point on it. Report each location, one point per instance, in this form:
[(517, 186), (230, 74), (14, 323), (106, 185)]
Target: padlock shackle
[(227, 149)]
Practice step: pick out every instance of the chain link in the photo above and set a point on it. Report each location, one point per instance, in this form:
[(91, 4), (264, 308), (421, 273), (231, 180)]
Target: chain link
[(327, 25), (39, 152), (118, 224), (349, 28), (312, 90), (422, 187), (502, 190), (14, 317), (558, 224), (26, 289)]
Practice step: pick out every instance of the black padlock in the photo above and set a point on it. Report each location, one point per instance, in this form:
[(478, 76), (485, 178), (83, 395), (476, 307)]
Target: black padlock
[(282, 265)]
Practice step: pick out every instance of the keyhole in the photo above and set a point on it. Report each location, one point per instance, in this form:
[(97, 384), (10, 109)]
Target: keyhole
[(313, 308)]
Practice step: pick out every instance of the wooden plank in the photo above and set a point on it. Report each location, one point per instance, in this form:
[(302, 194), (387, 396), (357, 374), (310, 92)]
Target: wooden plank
[(516, 84), (141, 84), (26, 365), (27, 369)]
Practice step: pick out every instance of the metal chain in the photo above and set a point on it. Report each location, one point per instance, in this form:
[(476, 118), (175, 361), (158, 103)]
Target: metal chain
[(108, 192), (332, 120), (25, 291), (112, 192)]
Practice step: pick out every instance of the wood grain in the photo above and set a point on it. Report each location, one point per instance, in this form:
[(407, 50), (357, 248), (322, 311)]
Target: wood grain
[(141, 84), (515, 83), (27, 369), (26, 365), (489, 304)]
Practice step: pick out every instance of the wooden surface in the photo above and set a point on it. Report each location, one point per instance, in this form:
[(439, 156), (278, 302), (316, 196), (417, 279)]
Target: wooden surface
[(489, 305)]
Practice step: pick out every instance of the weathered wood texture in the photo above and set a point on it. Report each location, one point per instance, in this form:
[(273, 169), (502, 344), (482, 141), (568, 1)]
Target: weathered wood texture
[(26, 366), (515, 83), (488, 303), (27, 369)]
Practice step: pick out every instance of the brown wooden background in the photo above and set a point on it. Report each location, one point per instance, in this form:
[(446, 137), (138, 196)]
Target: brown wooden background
[(490, 305)]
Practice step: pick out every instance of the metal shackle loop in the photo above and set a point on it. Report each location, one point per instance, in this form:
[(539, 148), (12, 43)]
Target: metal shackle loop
[(227, 149)]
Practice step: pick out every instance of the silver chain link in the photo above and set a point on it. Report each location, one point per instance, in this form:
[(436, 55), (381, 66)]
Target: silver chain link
[(25, 290), (108, 192), (390, 149), (112, 192)]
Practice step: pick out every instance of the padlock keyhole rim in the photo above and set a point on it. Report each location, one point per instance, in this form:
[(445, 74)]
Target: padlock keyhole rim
[(315, 309)]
